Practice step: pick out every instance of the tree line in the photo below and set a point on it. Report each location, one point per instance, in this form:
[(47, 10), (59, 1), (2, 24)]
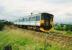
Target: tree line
[(3, 23), (63, 27)]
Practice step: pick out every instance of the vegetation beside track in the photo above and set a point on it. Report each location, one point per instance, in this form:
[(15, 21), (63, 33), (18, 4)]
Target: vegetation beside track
[(22, 39)]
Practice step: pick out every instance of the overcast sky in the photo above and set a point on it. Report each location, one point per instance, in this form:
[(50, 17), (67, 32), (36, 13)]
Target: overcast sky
[(12, 9)]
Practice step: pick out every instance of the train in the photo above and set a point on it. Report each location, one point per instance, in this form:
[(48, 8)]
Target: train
[(41, 21)]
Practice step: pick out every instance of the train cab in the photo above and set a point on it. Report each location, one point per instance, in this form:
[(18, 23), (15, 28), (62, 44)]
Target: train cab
[(46, 22)]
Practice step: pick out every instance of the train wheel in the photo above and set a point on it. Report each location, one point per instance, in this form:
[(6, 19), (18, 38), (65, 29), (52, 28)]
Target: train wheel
[(37, 28)]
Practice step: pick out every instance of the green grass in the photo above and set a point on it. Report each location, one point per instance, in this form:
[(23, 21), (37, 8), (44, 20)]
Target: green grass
[(67, 33), (25, 40)]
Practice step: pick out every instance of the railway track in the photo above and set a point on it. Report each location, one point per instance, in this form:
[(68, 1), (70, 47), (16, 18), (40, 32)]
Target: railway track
[(63, 40), (59, 38)]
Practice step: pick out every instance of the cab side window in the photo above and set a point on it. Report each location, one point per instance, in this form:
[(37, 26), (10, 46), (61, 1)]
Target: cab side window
[(37, 18)]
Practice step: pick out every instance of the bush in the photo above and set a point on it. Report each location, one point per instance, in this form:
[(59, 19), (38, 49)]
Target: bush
[(63, 27), (1, 25)]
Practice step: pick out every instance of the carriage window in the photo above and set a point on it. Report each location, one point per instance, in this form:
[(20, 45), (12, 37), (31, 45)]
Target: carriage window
[(33, 18), (27, 19), (37, 18), (23, 20)]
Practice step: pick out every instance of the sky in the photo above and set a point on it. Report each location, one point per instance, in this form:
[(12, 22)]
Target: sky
[(13, 9)]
